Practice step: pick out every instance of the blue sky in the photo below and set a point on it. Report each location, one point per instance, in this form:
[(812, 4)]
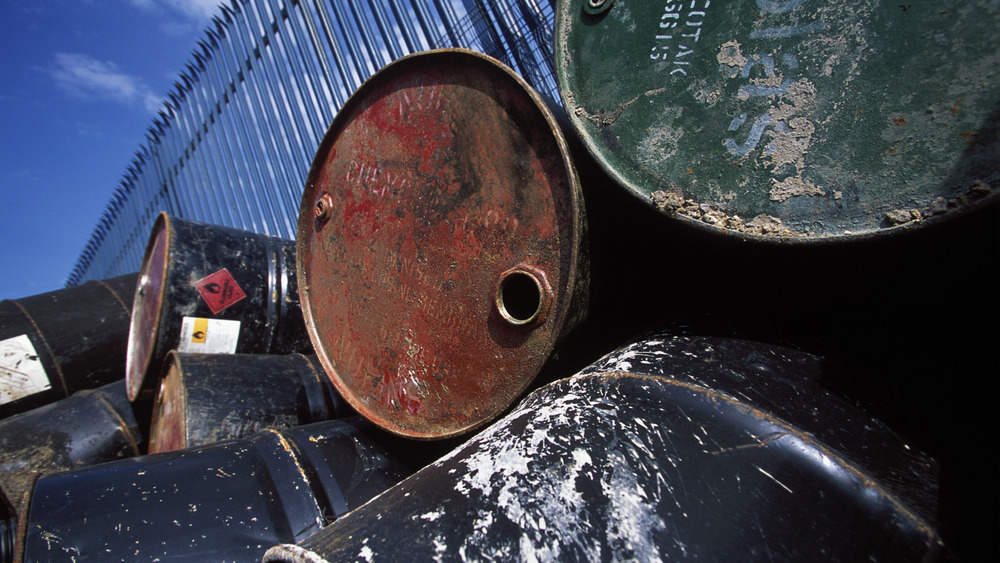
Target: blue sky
[(80, 81)]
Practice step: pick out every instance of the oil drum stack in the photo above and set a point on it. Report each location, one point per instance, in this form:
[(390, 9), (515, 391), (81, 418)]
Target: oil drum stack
[(722, 305)]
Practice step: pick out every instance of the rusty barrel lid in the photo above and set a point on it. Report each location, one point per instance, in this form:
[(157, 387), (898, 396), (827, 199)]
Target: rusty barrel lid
[(438, 243), (788, 120), (169, 423), (147, 308)]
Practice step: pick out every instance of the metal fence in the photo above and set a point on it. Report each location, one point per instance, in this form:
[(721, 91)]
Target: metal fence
[(235, 139)]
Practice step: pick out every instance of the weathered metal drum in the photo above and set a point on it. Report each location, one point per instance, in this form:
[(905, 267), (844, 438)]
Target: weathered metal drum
[(211, 289), (676, 447), (439, 243), (86, 428), (788, 120), (228, 501), (55, 344), (206, 398)]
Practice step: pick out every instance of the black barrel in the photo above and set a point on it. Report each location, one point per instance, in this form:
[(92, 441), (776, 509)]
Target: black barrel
[(675, 448), (88, 427), (223, 502), (211, 289), (205, 398), (54, 344)]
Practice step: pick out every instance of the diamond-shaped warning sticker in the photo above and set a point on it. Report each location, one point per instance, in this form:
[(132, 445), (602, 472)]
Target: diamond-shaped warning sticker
[(219, 290)]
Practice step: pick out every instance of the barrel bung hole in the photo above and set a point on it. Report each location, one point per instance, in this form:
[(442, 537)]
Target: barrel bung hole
[(519, 298)]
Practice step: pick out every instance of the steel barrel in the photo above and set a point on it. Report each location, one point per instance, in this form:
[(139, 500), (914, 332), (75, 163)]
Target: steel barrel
[(440, 243), (211, 289), (57, 343), (206, 398), (86, 428), (671, 447), (788, 121), (226, 501)]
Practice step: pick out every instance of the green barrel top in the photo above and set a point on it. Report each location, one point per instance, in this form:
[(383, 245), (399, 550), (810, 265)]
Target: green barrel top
[(791, 120)]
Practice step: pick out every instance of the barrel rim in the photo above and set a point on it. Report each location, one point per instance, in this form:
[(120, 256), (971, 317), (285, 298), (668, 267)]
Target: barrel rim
[(161, 236), (170, 389)]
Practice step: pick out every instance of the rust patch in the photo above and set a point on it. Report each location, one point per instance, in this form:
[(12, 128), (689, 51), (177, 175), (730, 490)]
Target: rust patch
[(730, 55), (976, 191), (792, 186), (23, 503), (20, 468), (760, 225), (440, 175), (168, 430), (901, 216)]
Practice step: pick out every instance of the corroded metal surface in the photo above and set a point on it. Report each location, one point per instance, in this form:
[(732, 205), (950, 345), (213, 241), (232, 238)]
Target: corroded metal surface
[(86, 428), (617, 465), (789, 120), (168, 430), (439, 243)]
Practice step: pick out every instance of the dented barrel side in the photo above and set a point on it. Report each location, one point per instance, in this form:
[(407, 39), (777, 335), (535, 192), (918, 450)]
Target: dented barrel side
[(788, 384), (89, 427)]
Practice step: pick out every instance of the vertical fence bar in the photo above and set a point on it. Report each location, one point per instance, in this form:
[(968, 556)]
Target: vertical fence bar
[(240, 137), (263, 100)]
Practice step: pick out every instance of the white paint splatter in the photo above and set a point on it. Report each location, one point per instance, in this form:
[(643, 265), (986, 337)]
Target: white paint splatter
[(774, 479), (432, 516), (440, 548), (632, 519)]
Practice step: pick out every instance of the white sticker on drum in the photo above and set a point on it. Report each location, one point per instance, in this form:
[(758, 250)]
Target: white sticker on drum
[(208, 336), (21, 372)]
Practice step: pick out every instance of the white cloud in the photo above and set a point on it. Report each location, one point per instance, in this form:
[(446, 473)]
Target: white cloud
[(201, 10), (84, 76), (197, 11)]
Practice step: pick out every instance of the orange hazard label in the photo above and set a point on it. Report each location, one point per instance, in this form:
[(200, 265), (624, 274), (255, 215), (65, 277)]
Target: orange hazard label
[(200, 331), (219, 290)]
